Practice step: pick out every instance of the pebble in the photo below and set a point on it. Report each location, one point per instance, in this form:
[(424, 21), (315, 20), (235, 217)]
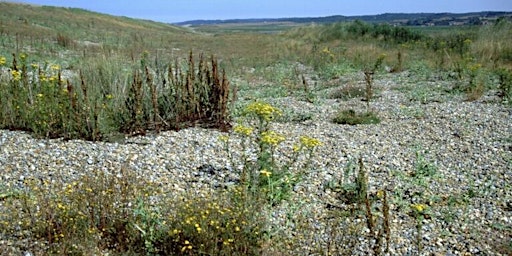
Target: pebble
[(468, 143)]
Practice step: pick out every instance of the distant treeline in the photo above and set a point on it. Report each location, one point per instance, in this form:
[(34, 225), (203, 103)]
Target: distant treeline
[(409, 19)]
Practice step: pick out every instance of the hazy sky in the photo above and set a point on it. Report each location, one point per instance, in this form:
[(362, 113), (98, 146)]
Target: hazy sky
[(183, 10)]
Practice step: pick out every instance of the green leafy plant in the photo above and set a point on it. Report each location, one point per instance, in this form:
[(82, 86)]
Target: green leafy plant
[(266, 175)]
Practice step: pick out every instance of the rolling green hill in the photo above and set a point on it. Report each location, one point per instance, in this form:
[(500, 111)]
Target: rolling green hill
[(45, 29), (40, 20)]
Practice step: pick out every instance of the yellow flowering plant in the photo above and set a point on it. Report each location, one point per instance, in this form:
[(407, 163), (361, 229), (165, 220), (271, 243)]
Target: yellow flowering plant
[(263, 112), (264, 173), (16, 75)]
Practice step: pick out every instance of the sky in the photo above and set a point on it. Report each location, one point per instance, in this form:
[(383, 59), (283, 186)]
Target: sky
[(184, 10)]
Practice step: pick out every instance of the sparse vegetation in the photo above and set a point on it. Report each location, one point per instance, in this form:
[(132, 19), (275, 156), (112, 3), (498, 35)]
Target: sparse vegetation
[(352, 117), (100, 78)]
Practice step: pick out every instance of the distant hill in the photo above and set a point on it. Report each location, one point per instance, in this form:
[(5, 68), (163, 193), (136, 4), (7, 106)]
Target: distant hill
[(35, 21), (410, 19)]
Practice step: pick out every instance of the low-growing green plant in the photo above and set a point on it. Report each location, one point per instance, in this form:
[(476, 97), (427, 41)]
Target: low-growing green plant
[(351, 117), (348, 92), (416, 198), (91, 213)]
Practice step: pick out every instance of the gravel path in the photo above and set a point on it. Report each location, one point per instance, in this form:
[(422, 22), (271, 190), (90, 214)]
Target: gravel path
[(468, 144)]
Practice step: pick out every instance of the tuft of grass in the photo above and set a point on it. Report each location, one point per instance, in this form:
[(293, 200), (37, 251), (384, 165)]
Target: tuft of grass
[(351, 117)]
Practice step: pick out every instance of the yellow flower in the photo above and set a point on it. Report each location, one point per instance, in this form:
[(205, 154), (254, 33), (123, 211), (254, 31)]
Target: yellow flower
[(16, 75), (380, 194), (34, 65), (55, 67), (309, 142), (244, 130), (420, 208), (265, 173), (263, 110), (475, 67), (40, 95), (109, 96), (53, 78), (198, 228), (23, 56), (224, 138), (2, 60), (187, 246), (271, 138)]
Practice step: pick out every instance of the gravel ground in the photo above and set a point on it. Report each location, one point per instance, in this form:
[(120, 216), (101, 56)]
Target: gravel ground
[(467, 144)]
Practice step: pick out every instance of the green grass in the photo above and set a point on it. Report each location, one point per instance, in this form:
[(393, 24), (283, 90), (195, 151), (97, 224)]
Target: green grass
[(264, 28)]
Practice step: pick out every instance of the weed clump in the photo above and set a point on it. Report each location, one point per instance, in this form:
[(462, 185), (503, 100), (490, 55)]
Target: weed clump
[(351, 117)]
